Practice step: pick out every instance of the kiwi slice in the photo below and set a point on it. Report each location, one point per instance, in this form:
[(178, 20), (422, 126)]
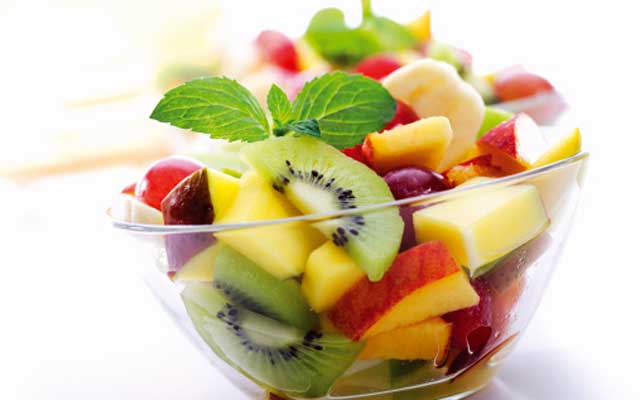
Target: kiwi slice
[(248, 285), (279, 356), (317, 178)]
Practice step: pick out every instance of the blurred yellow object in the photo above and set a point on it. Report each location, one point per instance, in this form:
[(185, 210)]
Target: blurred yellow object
[(308, 58), (421, 27), (567, 146)]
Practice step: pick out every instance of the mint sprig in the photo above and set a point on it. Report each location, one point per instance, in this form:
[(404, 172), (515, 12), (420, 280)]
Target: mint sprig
[(220, 107), (330, 36), (338, 108)]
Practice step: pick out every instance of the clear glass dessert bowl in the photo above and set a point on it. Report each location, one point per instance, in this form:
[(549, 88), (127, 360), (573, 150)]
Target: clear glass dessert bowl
[(472, 269)]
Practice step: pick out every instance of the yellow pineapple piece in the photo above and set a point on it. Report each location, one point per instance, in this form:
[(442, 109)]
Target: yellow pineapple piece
[(427, 340), (484, 226), (566, 147), (422, 143), (281, 249), (329, 273), (224, 189), (421, 27)]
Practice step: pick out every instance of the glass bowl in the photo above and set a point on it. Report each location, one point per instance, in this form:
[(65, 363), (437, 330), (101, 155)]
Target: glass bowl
[(261, 353)]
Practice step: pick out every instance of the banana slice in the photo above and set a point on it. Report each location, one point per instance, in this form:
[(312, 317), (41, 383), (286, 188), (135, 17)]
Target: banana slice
[(434, 88)]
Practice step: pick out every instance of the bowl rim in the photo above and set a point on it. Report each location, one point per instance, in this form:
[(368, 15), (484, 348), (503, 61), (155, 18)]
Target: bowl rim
[(509, 179)]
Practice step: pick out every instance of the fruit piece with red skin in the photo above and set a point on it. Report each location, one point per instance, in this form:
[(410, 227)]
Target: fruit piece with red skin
[(423, 282), (378, 66), (161, 177), (468, 320), (189, 203), (409, 182), (356, 153), (278, 49), (404, 115), (473, 168), (516, 83), (130, 189), (514, 145)]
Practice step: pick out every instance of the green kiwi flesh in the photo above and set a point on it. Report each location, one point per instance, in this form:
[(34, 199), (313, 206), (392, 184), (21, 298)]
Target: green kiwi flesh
[(278, 356), (317, 178), (246, 284)]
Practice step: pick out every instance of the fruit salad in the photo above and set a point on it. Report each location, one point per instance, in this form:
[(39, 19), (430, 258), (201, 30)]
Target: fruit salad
[(376, 232)]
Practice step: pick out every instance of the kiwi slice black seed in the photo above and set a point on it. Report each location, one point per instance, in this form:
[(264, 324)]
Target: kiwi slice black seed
[(279, 356), (317, 178), (245, 283)]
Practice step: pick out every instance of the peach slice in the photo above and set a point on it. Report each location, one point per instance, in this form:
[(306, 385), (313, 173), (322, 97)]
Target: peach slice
[(423, 282), (427, 340)]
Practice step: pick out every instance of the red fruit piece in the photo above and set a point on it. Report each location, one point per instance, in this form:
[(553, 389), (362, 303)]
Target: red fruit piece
[(377, 67), (130, 189), (276, 48), (161, 177), (413, 181), (356, 153), (468, 321), (516, 83), (404, 115)]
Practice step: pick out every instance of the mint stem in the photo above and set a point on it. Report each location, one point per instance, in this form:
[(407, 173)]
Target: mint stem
[(366, 9)]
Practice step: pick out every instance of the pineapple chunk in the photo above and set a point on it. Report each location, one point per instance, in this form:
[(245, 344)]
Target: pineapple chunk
[(280, 249), (224, 189), (330, 272), (484, 226), (422, 143), (427, 340)]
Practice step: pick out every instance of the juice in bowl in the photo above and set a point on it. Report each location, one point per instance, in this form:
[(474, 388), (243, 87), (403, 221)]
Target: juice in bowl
[(380, 233)]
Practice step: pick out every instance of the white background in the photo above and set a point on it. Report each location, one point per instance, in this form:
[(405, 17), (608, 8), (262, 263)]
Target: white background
[(75, 323)]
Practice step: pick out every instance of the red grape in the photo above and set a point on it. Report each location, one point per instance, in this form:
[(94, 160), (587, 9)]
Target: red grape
[(409, 232), (517, 83), (404, 115), (356, 153), (278, 49), (413, 181), (377, 67), (161, 177)]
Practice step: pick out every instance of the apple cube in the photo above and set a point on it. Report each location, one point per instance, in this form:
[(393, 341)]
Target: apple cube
[(514, 145), (485, 226), (422, 283), (427, 340), (422, 143), (565, 147), (281, 249), (329, 273)]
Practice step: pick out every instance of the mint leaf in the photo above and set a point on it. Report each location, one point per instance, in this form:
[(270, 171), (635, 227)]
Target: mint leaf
[(347, 107), (218, 106), (279, 105), (309, 127), (330, 36)]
